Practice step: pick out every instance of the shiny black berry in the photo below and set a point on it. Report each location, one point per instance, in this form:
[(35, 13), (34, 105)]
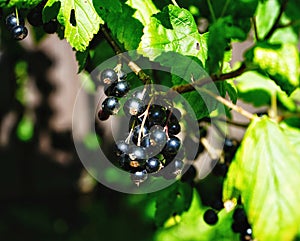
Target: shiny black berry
[(111, 105), (139, 177), (134, 106), (173, 128), (51, 26), (210, 217), (108, 76), (157, 115), (158, 136), (121, 147), (239, 215), (189, 175), (12, 21), (102, 115), (153, 164), (120, 89), (137, 153), (172, 146), (19, 32)]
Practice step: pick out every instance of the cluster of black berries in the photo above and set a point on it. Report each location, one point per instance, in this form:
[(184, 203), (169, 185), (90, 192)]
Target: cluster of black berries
[(116, 86), (16, 26), (241, 225), (35, 18), (151, 145)]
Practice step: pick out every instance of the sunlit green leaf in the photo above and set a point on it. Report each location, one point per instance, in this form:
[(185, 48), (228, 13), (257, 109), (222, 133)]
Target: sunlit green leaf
[(265, 172), (258, 90), (19, 3), (144, 10), (280, 62), (173, 29), (80, 21)]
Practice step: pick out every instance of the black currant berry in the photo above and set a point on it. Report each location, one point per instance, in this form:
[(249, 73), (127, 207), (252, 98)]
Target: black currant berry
[(51, 26), (139, 177), (175, 167), (146, 142), (102, 115), (153, 164), (136, 132), (124, 162), (120, 89), (111, 105), (12, 21), (173, 115), (239, 215), (173, 128), (133, 106), (108, 76), (157, 115), (19, 32), (172, 146), (158, 136), (121, 147), (189, 175), (34, 17), (137, 153), (210, 217)]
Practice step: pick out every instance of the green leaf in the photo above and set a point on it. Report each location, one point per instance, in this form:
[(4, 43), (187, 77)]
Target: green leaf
[(173, 29), (267, 12), (220, 34), (191, 226), (124, 26), (257, 89), (81, 58), (79, 19), (280, 62), (173, 200), (19, 3), (231, 90), (265, 172), (144, 10)]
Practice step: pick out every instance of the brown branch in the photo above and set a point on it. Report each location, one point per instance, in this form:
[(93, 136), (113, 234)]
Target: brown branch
[(213, 78), (277, 20)]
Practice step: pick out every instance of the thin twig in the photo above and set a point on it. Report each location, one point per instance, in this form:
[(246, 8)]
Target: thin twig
[(211, 10), (230, 122), (229, 104), (277, 20), (253, 19)]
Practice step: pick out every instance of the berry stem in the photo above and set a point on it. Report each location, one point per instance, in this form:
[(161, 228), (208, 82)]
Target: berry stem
[(174, 3), (145, 114), (17, 16), (229, 104), (212, 152)]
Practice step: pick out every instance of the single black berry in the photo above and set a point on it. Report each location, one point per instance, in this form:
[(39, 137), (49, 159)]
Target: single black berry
[(19, 32), (108, 76), (120, 89), (139, 131), (121, 147), (34, 17), (189, 175), (12, 21), (239, 215), (153, 164), (172, 146), (210, 217), (134, 106), (137, 153), (102, 115), (111, 105), (139, 177), (157, 115), (51, 26), (158, 136), (173, 128), (124, 162)]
